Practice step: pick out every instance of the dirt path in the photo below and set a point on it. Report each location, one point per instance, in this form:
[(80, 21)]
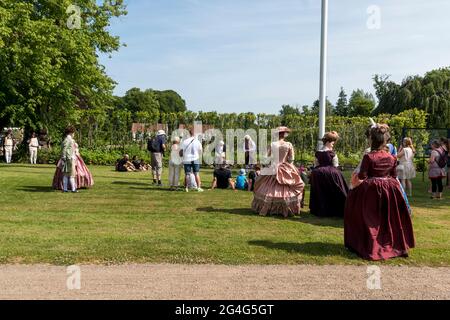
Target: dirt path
[(148, 281)]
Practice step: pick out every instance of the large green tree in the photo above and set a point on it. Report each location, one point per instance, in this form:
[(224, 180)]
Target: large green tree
[(430, 93), (143, 105), (361, 104), (170, 101), (342, 108), (49, 61)]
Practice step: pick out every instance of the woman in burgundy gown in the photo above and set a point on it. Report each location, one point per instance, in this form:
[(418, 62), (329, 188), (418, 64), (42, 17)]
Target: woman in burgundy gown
[(328, 187), (377, 224)]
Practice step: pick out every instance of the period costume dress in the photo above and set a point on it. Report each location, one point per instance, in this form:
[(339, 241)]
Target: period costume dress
[(377, 224), (279, 188), (83, 176), (328, 187)]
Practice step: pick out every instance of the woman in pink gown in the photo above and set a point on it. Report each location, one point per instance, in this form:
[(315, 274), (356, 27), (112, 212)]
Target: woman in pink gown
[(377, 223), (83, 175), (279, 188)]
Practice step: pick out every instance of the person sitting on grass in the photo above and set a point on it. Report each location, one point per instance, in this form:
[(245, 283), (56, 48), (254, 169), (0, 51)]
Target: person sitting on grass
[(222, 178), (241, 180), (124, 164), (252, 177), (136, 163)]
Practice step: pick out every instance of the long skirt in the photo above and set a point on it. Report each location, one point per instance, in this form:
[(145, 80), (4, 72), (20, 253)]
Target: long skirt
[(377, 223), (82, 175), (279, 194), (328, 192)]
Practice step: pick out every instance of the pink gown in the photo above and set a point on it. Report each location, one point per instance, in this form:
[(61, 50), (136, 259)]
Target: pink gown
[(279, 189), (83, 175)]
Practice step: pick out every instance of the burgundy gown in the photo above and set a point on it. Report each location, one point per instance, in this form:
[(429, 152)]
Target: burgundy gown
[(328, 187), (377, 224)]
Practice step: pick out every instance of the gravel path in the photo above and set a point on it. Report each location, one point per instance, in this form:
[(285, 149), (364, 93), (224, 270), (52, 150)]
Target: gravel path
[(147, 281)]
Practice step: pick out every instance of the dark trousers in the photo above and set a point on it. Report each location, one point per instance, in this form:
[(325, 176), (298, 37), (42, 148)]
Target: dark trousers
[(436, 185)]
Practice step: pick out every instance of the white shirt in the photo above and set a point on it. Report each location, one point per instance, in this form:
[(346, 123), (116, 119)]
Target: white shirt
[(407, 157), (9, 142), (192, 148), (34, 143)]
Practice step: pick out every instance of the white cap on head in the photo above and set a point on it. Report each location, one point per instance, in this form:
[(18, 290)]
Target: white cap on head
[(161, 133)]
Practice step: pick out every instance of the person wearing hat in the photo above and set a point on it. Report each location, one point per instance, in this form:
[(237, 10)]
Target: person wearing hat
[(8, 145), (220, 153), (174, 164), (158, 146), (279, 189), (250, 151), (241, 180)]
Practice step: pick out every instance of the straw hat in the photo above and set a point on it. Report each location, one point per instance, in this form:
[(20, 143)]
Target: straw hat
[(282, 129)]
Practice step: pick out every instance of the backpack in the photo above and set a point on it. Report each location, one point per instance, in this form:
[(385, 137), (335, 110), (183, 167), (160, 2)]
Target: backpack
[(443, 159), (153, 145)]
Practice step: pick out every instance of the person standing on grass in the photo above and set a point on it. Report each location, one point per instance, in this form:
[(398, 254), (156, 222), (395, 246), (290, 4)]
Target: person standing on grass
[(190, 150), (157, 149), (69, 158), (249, 151), (174, 164), (405, 170), (328, 186), (279, 188), (8, 146), (33, 146), (445, 145), (220, 153), (377, 221), (436, 169)]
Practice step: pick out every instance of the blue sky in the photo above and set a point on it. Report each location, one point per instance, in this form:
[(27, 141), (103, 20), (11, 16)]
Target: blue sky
[(255, 55)]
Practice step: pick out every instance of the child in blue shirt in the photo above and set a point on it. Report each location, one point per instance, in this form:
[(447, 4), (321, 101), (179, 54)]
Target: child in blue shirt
[(241, 180)]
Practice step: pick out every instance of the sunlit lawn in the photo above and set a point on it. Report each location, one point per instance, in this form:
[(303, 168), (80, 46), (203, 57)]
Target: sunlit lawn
[(124, 219)]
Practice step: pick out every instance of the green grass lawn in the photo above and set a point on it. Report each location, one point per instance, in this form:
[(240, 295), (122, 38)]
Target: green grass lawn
[(124, 219)]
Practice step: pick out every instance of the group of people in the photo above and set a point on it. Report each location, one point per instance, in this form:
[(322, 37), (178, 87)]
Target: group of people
[(126, 165), (375, 208), (10, 144)]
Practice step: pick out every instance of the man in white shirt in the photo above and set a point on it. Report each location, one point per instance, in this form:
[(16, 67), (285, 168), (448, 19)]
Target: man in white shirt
[(192, 149), (8, 145), (33, 146)]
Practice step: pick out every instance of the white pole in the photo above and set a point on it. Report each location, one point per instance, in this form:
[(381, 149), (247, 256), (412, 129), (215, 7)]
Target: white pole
[(323, 72)]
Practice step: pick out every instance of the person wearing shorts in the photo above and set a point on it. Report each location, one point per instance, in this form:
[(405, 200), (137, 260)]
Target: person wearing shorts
[(192, 149)]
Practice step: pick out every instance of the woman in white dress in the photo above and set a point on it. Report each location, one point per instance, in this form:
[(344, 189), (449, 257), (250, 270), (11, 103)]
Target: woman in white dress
[(406, 170)]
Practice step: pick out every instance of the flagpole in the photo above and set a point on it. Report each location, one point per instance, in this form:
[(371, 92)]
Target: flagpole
[(323, 72)]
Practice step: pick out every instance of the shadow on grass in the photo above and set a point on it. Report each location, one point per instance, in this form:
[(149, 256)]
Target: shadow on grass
[(132, 183), (304, 217), (239, 211), (307, 248), (308, 218), (37, 189)]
